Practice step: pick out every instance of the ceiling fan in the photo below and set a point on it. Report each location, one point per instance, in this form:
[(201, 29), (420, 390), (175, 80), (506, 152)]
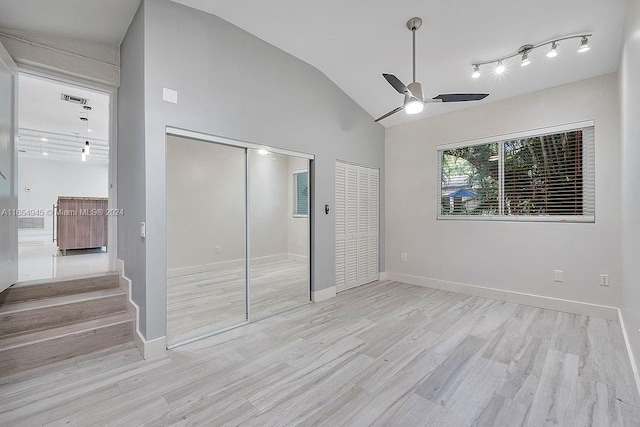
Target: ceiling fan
[(414, 99)]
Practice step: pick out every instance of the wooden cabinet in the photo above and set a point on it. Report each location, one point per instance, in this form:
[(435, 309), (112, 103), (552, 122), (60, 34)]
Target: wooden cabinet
[(81, 222)]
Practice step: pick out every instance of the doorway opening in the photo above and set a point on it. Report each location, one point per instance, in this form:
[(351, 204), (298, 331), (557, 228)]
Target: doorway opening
[(63, 179), (238, 235)]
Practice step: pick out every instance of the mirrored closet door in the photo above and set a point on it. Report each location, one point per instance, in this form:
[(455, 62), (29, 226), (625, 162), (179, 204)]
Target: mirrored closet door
[(206, 234), (238, 236)]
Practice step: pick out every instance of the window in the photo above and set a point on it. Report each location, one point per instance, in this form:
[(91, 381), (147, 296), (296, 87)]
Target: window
[(300, 194), (544, 175)]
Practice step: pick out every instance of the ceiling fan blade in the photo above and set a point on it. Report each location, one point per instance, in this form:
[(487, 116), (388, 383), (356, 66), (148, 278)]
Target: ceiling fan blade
[(397, 84), (461, 97), (389, 113)]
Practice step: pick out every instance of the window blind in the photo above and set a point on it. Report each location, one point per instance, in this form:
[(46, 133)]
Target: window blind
[(547, 176), (301, 193)]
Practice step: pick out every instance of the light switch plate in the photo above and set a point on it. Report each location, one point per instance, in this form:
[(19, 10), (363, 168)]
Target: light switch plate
[(170, 95), (143, 229)]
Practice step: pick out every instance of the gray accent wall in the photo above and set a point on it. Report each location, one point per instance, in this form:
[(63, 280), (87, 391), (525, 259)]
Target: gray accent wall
[(232, 84), (131, 161)]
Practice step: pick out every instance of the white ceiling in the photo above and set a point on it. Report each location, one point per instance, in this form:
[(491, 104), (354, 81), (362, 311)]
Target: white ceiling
[(354, 41), (43, 115), (97, 20)]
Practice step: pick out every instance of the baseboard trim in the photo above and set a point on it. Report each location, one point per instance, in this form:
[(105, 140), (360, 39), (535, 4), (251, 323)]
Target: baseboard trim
[(323, 294), (215, 266), (148, 349), (575, 307), (632, 360)]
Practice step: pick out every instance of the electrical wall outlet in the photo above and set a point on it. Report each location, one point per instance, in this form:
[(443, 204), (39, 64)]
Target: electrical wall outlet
[(143, 229), (604, 280), (558, 275), (403, 257)]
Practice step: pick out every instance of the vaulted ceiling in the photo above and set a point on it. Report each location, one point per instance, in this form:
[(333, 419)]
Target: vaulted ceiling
[(353, 42)]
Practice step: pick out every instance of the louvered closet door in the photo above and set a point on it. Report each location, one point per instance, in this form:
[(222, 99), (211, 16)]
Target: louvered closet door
[(351, 259), (341, 227), (363, 225), (374, 226), (357, 225)]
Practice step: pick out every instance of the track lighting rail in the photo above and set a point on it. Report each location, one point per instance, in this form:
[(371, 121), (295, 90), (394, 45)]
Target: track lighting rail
[(527, 48)]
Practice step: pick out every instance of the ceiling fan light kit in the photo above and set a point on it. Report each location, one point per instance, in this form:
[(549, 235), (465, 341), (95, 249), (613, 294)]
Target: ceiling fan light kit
[(414, 99), (527, 49)]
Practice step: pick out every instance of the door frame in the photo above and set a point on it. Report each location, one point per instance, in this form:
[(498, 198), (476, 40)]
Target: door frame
[(204, 137), (12, 262), (112, 92)]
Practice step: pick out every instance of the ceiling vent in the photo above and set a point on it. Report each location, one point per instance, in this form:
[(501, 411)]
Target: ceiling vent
[(74, 99)]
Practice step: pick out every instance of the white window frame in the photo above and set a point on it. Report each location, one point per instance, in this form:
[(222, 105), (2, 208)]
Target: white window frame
[(294, 193), (588, 165)]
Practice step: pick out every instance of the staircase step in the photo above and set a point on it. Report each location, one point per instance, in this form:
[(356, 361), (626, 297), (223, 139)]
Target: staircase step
[(49, 288), (59, 311), (26, 351)]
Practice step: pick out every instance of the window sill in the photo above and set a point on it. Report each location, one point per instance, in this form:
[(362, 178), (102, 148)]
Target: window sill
[(562, 219)]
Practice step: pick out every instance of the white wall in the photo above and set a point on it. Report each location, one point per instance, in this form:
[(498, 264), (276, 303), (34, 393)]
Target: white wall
[(298, 228), (630, 175), (268, 204), (206, 205), (49, 179), (513, 256)]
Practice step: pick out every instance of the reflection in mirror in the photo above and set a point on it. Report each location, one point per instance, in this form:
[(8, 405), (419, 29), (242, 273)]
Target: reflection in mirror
[(279, 232), (206, 280)]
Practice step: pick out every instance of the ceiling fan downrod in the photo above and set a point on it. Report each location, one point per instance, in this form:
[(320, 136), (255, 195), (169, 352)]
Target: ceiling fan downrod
[(413, 25)]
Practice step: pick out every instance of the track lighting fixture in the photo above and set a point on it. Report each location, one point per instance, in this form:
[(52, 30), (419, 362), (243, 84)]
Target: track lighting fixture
[(525, 52), (584, 45), (84, 156), (86, 147), (476, 72)]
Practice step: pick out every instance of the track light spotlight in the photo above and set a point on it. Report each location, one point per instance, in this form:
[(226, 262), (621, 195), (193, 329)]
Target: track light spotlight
[(500, 68), (553, 52), (476, 72), (525, 59), (584, 45)]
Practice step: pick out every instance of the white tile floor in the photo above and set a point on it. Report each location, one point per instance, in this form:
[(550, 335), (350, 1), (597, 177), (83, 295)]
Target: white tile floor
[(39, 258)]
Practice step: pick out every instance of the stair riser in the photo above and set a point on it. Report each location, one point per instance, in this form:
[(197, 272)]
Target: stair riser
[(55, 289), (60, 315), (54, 350)]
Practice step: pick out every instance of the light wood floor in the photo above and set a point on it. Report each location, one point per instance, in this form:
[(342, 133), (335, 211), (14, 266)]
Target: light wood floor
[(200, 303), (382, 354)]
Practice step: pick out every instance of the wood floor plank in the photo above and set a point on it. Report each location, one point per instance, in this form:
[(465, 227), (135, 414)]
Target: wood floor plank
[(443, 382), (555, 399), (384, 354), (596, 405)]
